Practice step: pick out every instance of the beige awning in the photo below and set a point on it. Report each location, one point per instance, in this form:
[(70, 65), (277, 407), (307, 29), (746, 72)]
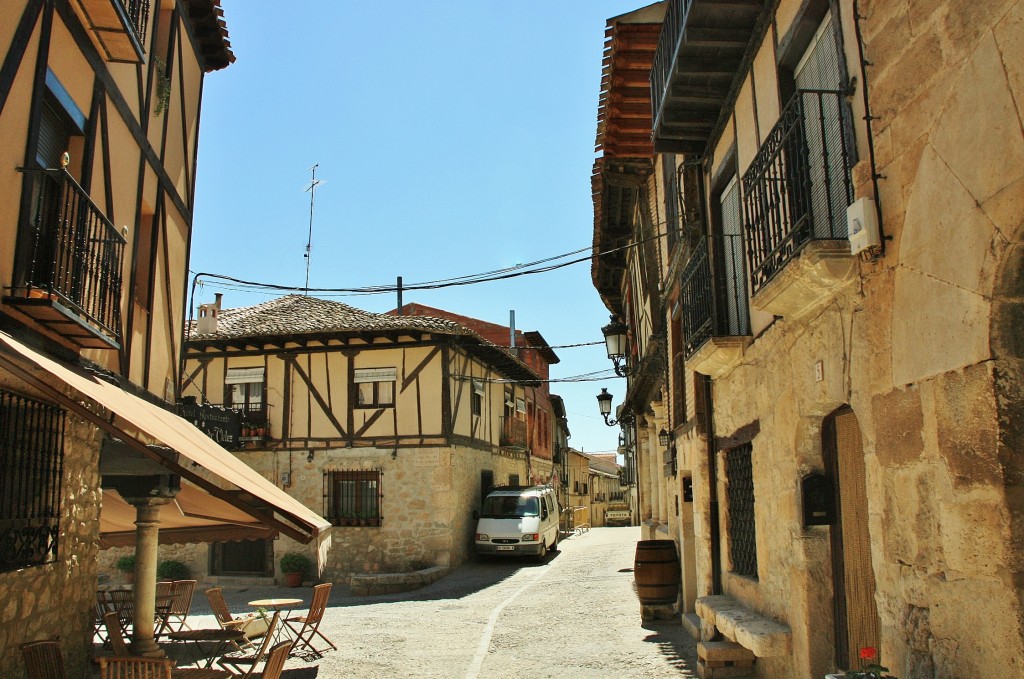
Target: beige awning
[(205, 500), (192, 516)]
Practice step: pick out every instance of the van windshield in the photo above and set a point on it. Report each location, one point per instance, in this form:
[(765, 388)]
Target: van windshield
[(510, 507)]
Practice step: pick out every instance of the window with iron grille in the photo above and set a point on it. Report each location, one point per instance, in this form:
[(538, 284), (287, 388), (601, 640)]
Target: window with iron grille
[(32, 460), (513, 480), (353, 498), (742, 535)]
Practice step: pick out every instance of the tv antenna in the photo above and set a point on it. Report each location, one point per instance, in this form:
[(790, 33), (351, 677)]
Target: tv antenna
[(309, 241)]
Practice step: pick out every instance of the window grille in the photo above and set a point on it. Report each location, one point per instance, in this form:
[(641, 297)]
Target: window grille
[(31, 467), (742, 535), (513, 480), (353, 498)]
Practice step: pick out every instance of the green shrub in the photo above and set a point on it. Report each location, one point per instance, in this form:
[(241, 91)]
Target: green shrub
[(126, 564), (173, 570), (293, 562)]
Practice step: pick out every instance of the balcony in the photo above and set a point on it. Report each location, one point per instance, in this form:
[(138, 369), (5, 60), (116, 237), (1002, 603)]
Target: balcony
[(513, 433), (699, 55), (254, 421), (796, 192), (713, 298), (119, 27), (69, 262)]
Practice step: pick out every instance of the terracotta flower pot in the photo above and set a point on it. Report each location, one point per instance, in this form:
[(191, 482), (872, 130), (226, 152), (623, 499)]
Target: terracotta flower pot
[(293, 579)]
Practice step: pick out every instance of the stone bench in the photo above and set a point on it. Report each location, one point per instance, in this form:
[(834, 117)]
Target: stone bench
[(762, 636)]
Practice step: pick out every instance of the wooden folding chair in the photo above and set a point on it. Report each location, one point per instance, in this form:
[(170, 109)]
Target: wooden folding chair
[(176, 615), (228, 621), (132, 667), (101, 608), (114, 636), (275, 660), (43, 660), (307, 627), (235, 662), (122, 601)]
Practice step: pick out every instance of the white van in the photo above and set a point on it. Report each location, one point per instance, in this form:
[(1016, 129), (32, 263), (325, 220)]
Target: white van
[(517, 522)]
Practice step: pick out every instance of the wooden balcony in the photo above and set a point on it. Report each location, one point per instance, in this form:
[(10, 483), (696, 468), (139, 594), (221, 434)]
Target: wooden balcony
[(68, 263), (119, 27), (699, 56), (513, 433)]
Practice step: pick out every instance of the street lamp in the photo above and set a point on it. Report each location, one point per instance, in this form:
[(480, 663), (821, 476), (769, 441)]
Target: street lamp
[(616, 341), (663, 438), (604, 403)]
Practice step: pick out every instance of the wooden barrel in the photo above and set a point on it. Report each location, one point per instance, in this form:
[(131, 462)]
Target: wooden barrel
[(656, 570)]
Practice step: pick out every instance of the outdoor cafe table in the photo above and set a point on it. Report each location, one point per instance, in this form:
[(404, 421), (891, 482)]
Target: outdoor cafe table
[(283, 605), (224, 638)]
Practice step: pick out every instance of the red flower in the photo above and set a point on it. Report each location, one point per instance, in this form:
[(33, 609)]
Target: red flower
[(868, 653)]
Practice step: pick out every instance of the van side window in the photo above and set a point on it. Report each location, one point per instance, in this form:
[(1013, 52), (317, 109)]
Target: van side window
[(543, 508)]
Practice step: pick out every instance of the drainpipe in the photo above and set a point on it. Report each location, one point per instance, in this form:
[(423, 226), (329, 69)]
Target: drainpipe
[(716, 542)]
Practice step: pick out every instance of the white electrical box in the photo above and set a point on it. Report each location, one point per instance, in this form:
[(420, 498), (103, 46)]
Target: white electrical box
[(862, 221)]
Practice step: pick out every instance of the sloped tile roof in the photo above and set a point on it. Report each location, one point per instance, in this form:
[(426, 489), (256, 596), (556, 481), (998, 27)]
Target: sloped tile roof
[(295, 316), (299, 314)]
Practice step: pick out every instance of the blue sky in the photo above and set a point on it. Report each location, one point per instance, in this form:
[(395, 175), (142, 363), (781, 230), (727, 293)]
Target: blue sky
[(453, 138)]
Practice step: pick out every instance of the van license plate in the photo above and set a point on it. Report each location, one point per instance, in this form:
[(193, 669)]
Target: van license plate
[(504, 548)]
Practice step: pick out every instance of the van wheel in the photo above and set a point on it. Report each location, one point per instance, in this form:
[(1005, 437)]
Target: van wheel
[(554, 545), (542, 554)]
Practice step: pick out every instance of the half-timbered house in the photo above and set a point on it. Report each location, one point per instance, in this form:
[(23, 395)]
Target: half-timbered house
[(813, 240), (391, 427), (99, 122), (539, 437)]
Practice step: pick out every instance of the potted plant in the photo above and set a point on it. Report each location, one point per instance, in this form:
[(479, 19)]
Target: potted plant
[(126, 566), (173, 570), (872, 670), (294, 566)]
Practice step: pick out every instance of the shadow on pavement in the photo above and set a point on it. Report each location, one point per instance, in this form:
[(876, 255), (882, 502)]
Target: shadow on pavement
[(678, 647)]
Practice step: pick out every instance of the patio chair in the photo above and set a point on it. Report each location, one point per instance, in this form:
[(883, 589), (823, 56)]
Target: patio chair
[(235, 662), (114, 636), (122, 601), (252, 625), (275, 660), (132, 667), (43, 660), (306, 628), (174, 619), (100, 608)]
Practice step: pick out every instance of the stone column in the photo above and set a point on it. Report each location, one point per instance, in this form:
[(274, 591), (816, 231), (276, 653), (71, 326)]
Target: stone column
[(147, 534)]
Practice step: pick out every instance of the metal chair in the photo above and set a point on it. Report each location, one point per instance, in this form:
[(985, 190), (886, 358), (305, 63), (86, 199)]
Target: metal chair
[(43, 660), (114, 636), (235, 662), (307, 627), (132, 667), (228, 621)]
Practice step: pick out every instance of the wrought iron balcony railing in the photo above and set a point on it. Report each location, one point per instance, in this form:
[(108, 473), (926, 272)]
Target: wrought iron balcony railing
[(138, 15), (713, 293), (513, 433), (668, 45), (799, 185), (73, 253), (254, 419)]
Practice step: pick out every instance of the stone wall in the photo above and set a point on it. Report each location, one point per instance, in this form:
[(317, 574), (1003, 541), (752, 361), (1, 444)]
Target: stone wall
[(57, 599)]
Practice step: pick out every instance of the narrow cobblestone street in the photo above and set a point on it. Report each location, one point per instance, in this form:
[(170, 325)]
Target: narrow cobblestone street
[(575, 615)]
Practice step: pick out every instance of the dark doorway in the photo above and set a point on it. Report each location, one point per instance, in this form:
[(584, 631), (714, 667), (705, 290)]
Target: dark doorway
[(248, 558)]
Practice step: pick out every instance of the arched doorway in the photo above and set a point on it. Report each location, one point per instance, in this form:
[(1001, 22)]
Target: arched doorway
[(853, 580)]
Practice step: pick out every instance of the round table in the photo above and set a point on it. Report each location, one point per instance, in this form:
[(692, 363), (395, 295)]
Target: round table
[(284, 606)]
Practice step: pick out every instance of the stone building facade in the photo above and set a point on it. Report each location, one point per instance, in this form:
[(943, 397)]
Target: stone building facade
[(843, 418)]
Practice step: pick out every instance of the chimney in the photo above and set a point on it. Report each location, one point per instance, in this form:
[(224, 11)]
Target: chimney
[(208, 313), (217, 297)]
